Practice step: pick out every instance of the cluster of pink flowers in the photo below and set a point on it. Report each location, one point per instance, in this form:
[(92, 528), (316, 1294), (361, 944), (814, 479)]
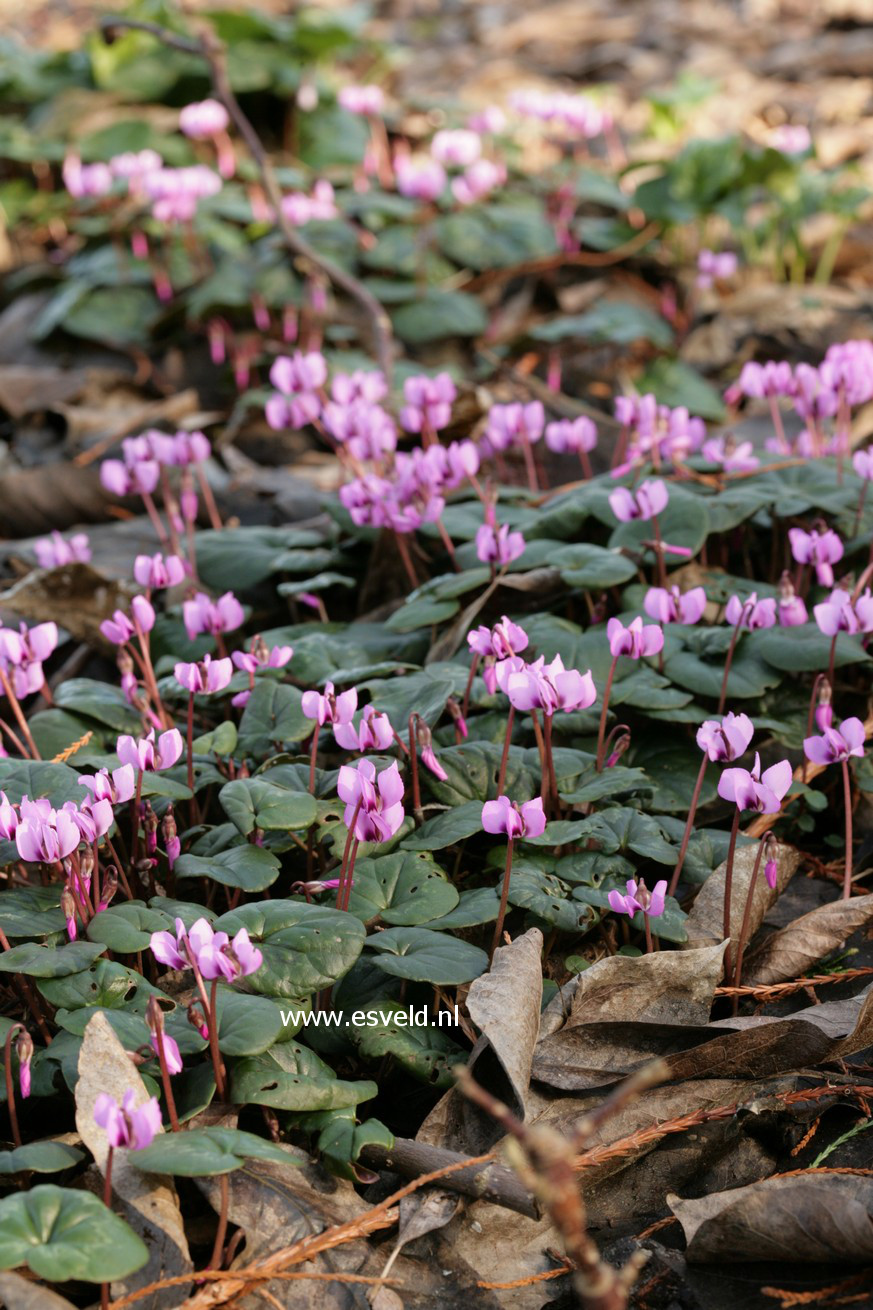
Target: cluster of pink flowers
[(203, 614), (367, 100), (45, 835), (494, 645), (298, 380), (54, 552), (319, 206), (213, 955), (578, 115), (23, 653), (713, 267), (649, 498), (374, 802), (657, 431)]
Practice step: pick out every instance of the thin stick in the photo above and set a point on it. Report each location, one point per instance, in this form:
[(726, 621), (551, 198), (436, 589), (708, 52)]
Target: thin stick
[(686, 836)]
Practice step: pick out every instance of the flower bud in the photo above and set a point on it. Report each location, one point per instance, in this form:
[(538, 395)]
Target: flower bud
[(68, 906), (109, 888), (24, 1051)]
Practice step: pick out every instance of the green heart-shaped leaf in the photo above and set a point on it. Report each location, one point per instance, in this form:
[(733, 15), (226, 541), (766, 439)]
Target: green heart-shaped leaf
[(62, 1234), (204, 1152)]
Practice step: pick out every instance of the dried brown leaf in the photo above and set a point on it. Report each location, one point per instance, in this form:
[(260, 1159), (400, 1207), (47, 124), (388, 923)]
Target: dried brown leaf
[(17, 1293), (812, 1219), (504, 1004), (705, 924), (76, 596), (664, 987), (794, 950)]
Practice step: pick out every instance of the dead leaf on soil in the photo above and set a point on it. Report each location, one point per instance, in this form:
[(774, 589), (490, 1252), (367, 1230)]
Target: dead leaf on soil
[(810, 1219), (705, 923), (794, 950), (74, 596), (664, 987), (18, 1293), (151, 1206)]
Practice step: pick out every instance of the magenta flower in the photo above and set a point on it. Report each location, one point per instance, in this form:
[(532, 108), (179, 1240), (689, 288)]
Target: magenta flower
[(373, 733), (478, 180), (214, 955), (671, 606), (366, 100), (327, 707), (501, 642), (128, 1124), (836, 744), (118, 629), (820, 549), (428, 402), (202, 614), (377, 801), (840, 614), (754, 613), (764, 380), (44, 835), (171, 1052), (862, 463), (726, 740), (497, 545), (419, 176), (752, 790), (791, 607), (170, 950), (550, 687), (636, 640), (147, 756), (207, 676), (155, 572), (509, 425), (503, 815), (571, 436), (125, 480), (649, 499), (262, 656), (713, 267), (733, 456), (456, 148), (297, 380), (639, 898), (53, 552), (204, 119)]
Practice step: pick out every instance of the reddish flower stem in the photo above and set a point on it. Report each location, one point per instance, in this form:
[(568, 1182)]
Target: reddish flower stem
[(465, 704), (501, 777), (107, 1201), (504, 899), (313, 757), (19, 715), (10, 1089), (686, 836), (729, 658), (728, 889), (747, 917), (209, 499), (350, 837), (215, 1260), (550, 759), (601, 734), (847, 792), (190, 741), (659, 552), (165, 1080), (417, 812)]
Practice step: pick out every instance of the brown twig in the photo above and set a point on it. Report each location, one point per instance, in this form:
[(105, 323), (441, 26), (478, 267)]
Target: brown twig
[(209, 48), (771, 991)]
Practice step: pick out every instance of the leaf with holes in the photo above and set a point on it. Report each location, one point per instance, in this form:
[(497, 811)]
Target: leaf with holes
[(426, 956), (402, 888), (305, 947)]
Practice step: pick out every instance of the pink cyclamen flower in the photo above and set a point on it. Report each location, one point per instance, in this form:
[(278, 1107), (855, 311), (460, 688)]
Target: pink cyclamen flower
[(202, 614), (215, 955), (733, 456), (44, 835), (172, 1054), (478, 180), (128, 1124), (713, 267), (148, 756), (749, 789), (516, 821), (790, 139), (791, 607), (170, 950), (117, 788), (204, 119), (456, 148), (836, 744), (419, 177), (820, 549), (206, 676), (367, 100), (671, 606), (839, 613), (427, 402), (639, 898), (373, 733), (650, 498), (377, 800), (754, 613), (570, 436), (726, 740), (157, 572), (54, 552), (327, 707), (497, 545), (550, 687), (510, 425), (501, 642), (862, 463), (636, 640)]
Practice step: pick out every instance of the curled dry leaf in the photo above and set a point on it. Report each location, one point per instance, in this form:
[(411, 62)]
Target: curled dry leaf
[(151, 1206), (664, 987), (810, 1218), (705, 923), (504, 1005), (18, 1293), (75, 596), (791, 952)]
